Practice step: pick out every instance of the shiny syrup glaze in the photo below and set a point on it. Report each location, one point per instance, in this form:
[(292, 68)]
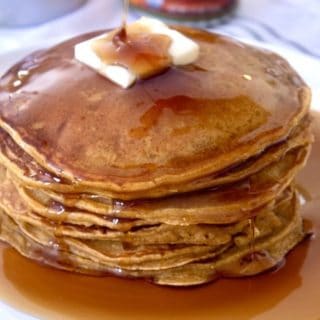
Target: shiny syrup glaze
[(143, 54), (156, 128), (292, 292)]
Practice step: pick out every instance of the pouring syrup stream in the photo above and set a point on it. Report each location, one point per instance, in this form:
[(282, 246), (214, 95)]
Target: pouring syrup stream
[(122, 34), (125, 11), (143, 53)]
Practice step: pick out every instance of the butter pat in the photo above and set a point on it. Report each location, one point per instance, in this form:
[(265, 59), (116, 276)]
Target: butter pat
[(182, 51), (84, 53)]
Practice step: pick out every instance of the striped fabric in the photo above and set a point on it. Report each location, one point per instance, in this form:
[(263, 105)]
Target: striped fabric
[(291, 23)]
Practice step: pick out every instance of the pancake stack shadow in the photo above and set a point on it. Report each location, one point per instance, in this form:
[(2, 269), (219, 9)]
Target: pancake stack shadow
[(235, 214)]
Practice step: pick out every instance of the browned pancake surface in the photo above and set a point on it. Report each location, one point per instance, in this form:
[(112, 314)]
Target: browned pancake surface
[(184, 123)]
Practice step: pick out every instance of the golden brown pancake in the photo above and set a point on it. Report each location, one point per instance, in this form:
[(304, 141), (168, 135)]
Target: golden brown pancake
[(282, 234), (187, 122), (31, 173), (215, 206), (183, 178)]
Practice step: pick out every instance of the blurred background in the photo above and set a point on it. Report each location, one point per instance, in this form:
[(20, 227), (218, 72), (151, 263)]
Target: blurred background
[(291, 27), (292, 23)]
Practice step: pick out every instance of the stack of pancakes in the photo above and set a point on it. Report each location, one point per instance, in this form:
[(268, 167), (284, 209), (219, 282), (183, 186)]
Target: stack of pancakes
[(182, 178)]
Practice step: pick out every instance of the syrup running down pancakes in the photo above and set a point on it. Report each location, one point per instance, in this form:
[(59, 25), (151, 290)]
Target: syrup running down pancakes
[(183, 178)]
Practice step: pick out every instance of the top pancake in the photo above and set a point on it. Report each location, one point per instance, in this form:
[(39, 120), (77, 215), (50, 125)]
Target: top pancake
[(185, 123)]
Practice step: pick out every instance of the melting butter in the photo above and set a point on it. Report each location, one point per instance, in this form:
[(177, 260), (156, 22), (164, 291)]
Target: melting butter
[(144, 49)]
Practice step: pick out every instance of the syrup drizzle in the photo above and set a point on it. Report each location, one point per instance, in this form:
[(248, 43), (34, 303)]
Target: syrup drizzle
[(258, 257), (125, 12), (252, 228), (58, 67), (121, 36), (142, 53)]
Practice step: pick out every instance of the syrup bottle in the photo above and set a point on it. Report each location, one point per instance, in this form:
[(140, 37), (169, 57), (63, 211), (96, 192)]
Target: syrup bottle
[(187, 11)]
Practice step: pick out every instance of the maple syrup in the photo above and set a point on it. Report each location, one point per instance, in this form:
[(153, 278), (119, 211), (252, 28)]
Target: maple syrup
[(243, 117), (144, 54), (134, 48), (292, 292), (125, 13), (252, 228)]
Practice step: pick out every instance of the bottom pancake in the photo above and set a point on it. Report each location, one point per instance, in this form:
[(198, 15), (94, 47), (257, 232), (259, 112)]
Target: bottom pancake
[(176, 266)]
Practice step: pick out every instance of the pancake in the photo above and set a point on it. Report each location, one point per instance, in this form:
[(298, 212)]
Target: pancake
[(31, 173), (223, 119), (227, 261), (223, 205), (183, 178)]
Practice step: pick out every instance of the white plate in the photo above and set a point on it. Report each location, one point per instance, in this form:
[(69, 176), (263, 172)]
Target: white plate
[(308, 67)]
